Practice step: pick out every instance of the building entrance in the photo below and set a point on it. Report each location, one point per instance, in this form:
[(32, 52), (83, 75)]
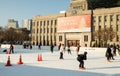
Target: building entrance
[(73, 42)]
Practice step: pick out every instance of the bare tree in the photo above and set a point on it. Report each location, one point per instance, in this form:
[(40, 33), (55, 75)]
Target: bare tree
[(13, 35), (104, 35)]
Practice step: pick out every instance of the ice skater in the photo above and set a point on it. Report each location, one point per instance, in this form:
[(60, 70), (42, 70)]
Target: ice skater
[(68, 49), (81, 58), (114, 50), (109, 54), (78, 48), (39, 46), (51, 48), (59, 46), (61, 51), (11, 48)]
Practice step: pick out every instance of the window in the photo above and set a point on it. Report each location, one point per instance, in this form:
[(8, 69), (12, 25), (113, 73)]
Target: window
[(48, 22), (99, 18), (86, 38), (40, 23), (99, 27), (51, 22), (93, 28), (117, 28), (105, 18), (55, 22), (55, 38), (60, 38), (40, 38), (55, 30), (43, 37), (111, 26), (47, 38), (44, 30), (118, 17), (51, 38), (51, 30), (94, 19), (37, 31), (111, 17), (44, 23), (40, 30), (47, 30), (117, 38), (85, 45), (36, 38), (37, 23)]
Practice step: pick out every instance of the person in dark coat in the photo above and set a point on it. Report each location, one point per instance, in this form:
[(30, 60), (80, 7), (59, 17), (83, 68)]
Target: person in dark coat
[(59, 47), (109, 54), (4, 50), (81, 58), (68, 49), (30, 46), (39, 46), (51, 48), (114, 50)]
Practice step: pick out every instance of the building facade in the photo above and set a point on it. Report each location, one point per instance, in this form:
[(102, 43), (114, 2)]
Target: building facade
[(12, 24), (76, 25), (44, 29), (107, 18), (27, 23)]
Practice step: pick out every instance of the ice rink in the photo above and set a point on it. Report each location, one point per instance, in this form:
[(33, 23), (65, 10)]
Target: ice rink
[(96, 63)]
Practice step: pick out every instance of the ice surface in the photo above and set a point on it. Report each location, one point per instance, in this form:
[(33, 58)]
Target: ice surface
[(96, 64)]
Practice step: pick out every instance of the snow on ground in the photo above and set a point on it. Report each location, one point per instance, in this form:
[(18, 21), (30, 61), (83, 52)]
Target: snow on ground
[(96, 64)]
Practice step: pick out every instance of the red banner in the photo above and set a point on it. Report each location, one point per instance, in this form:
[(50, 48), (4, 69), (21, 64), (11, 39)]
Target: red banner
[(74, 24)]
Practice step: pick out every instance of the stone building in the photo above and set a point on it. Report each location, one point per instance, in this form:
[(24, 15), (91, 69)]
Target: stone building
[(76, 25), (44, 29), (12, 24)]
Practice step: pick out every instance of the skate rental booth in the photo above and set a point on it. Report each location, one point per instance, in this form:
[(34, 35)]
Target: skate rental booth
[(74, 30)]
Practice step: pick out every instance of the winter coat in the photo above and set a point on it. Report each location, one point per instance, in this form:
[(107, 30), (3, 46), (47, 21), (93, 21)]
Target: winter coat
[(82, 56), (61, 48), (108, 52)]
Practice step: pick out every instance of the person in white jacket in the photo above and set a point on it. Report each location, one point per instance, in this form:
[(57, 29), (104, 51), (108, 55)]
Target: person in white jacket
[(62, 48)]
